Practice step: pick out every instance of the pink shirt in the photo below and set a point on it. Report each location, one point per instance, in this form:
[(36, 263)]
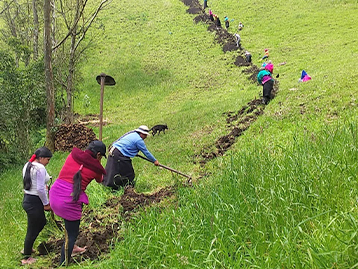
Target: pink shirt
[(265, 79), (71, 167)]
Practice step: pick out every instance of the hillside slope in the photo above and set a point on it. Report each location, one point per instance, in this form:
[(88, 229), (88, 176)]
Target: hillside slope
[(282, 194)]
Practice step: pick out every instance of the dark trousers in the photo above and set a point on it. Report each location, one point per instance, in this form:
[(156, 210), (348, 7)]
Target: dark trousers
[(248, 58), (72, 230), (119, 171), (36, 220), (267, 88)]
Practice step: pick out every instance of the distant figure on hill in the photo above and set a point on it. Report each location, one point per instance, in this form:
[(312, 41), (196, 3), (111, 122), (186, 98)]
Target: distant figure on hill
[(211, 15), (248, 56), (227, 23), (304, 76), (218, 22), (205, 4), (266, 55), (238, 40), (264, 77), (240, 26)]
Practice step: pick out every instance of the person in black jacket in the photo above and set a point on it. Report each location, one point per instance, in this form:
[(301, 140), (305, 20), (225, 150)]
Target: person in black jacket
[(217, 21)]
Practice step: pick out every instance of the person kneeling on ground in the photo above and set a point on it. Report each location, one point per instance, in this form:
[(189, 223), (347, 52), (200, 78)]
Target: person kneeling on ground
[(119, 166), (67, 194), (211, 15), (248, 56), (264, 77)]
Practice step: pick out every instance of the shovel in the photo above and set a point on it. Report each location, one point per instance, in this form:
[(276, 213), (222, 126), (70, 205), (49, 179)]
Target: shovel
[(168, 168)]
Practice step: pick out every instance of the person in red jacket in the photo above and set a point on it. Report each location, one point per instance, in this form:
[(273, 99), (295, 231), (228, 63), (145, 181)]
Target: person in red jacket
[(67, 195)]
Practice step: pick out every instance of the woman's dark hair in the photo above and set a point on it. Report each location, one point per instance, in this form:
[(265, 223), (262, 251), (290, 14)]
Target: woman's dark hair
[(41, 152), (94, 147), (77, 178), (97, 146)]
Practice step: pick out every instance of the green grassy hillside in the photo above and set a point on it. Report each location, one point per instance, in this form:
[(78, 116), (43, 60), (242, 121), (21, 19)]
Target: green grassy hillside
[(283, 196)]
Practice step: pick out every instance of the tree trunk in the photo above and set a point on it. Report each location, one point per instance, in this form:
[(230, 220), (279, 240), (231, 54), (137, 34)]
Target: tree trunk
[(36, 30), (50, 89), (70, 78), (71, 67)]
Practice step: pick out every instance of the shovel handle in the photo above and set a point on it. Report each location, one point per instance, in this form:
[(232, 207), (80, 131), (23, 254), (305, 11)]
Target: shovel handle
[(165, 167)]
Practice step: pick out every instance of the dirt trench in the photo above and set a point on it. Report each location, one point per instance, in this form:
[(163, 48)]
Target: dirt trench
[(237, 122), (99, 229)]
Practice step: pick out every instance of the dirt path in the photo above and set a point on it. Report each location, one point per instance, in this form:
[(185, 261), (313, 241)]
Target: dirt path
[(100, 227), (238, 122)]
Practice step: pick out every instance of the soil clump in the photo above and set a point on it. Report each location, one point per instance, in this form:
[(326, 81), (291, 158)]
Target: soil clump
[(73, 135)]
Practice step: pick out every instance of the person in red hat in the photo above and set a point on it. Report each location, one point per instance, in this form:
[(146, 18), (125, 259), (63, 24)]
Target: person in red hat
[(266, 55)]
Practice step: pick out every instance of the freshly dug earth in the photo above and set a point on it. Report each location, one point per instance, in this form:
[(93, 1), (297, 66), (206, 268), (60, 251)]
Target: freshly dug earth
[(73, 135), (99, 228), (222, 36), (240, 121)]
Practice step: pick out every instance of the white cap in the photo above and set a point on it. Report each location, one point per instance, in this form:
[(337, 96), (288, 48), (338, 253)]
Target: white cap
[(143, 129)]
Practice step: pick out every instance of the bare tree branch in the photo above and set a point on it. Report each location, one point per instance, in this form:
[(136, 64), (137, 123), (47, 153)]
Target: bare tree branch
[(72, 28), (7, 7), (90, 21)]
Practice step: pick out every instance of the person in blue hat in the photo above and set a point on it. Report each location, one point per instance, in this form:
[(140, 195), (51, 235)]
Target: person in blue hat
[(227, 23)]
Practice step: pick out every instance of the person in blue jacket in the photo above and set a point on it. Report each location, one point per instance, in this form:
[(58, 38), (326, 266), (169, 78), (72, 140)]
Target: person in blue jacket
[(119, 168), (264, 77)]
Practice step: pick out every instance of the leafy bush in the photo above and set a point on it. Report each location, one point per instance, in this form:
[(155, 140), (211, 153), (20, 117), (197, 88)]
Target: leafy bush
[(22, 106)]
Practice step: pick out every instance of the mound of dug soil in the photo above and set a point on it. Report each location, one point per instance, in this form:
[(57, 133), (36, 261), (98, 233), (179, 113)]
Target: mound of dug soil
[(100, 227), (239, 123), (131, 201), (252, 71), (73, 135), (192, 4), (241, 61)]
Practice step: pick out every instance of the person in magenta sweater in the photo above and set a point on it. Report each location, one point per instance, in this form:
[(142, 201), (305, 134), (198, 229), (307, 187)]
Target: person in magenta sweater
[(68, 195), (264, 77), (211, 15), (35, 202)]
